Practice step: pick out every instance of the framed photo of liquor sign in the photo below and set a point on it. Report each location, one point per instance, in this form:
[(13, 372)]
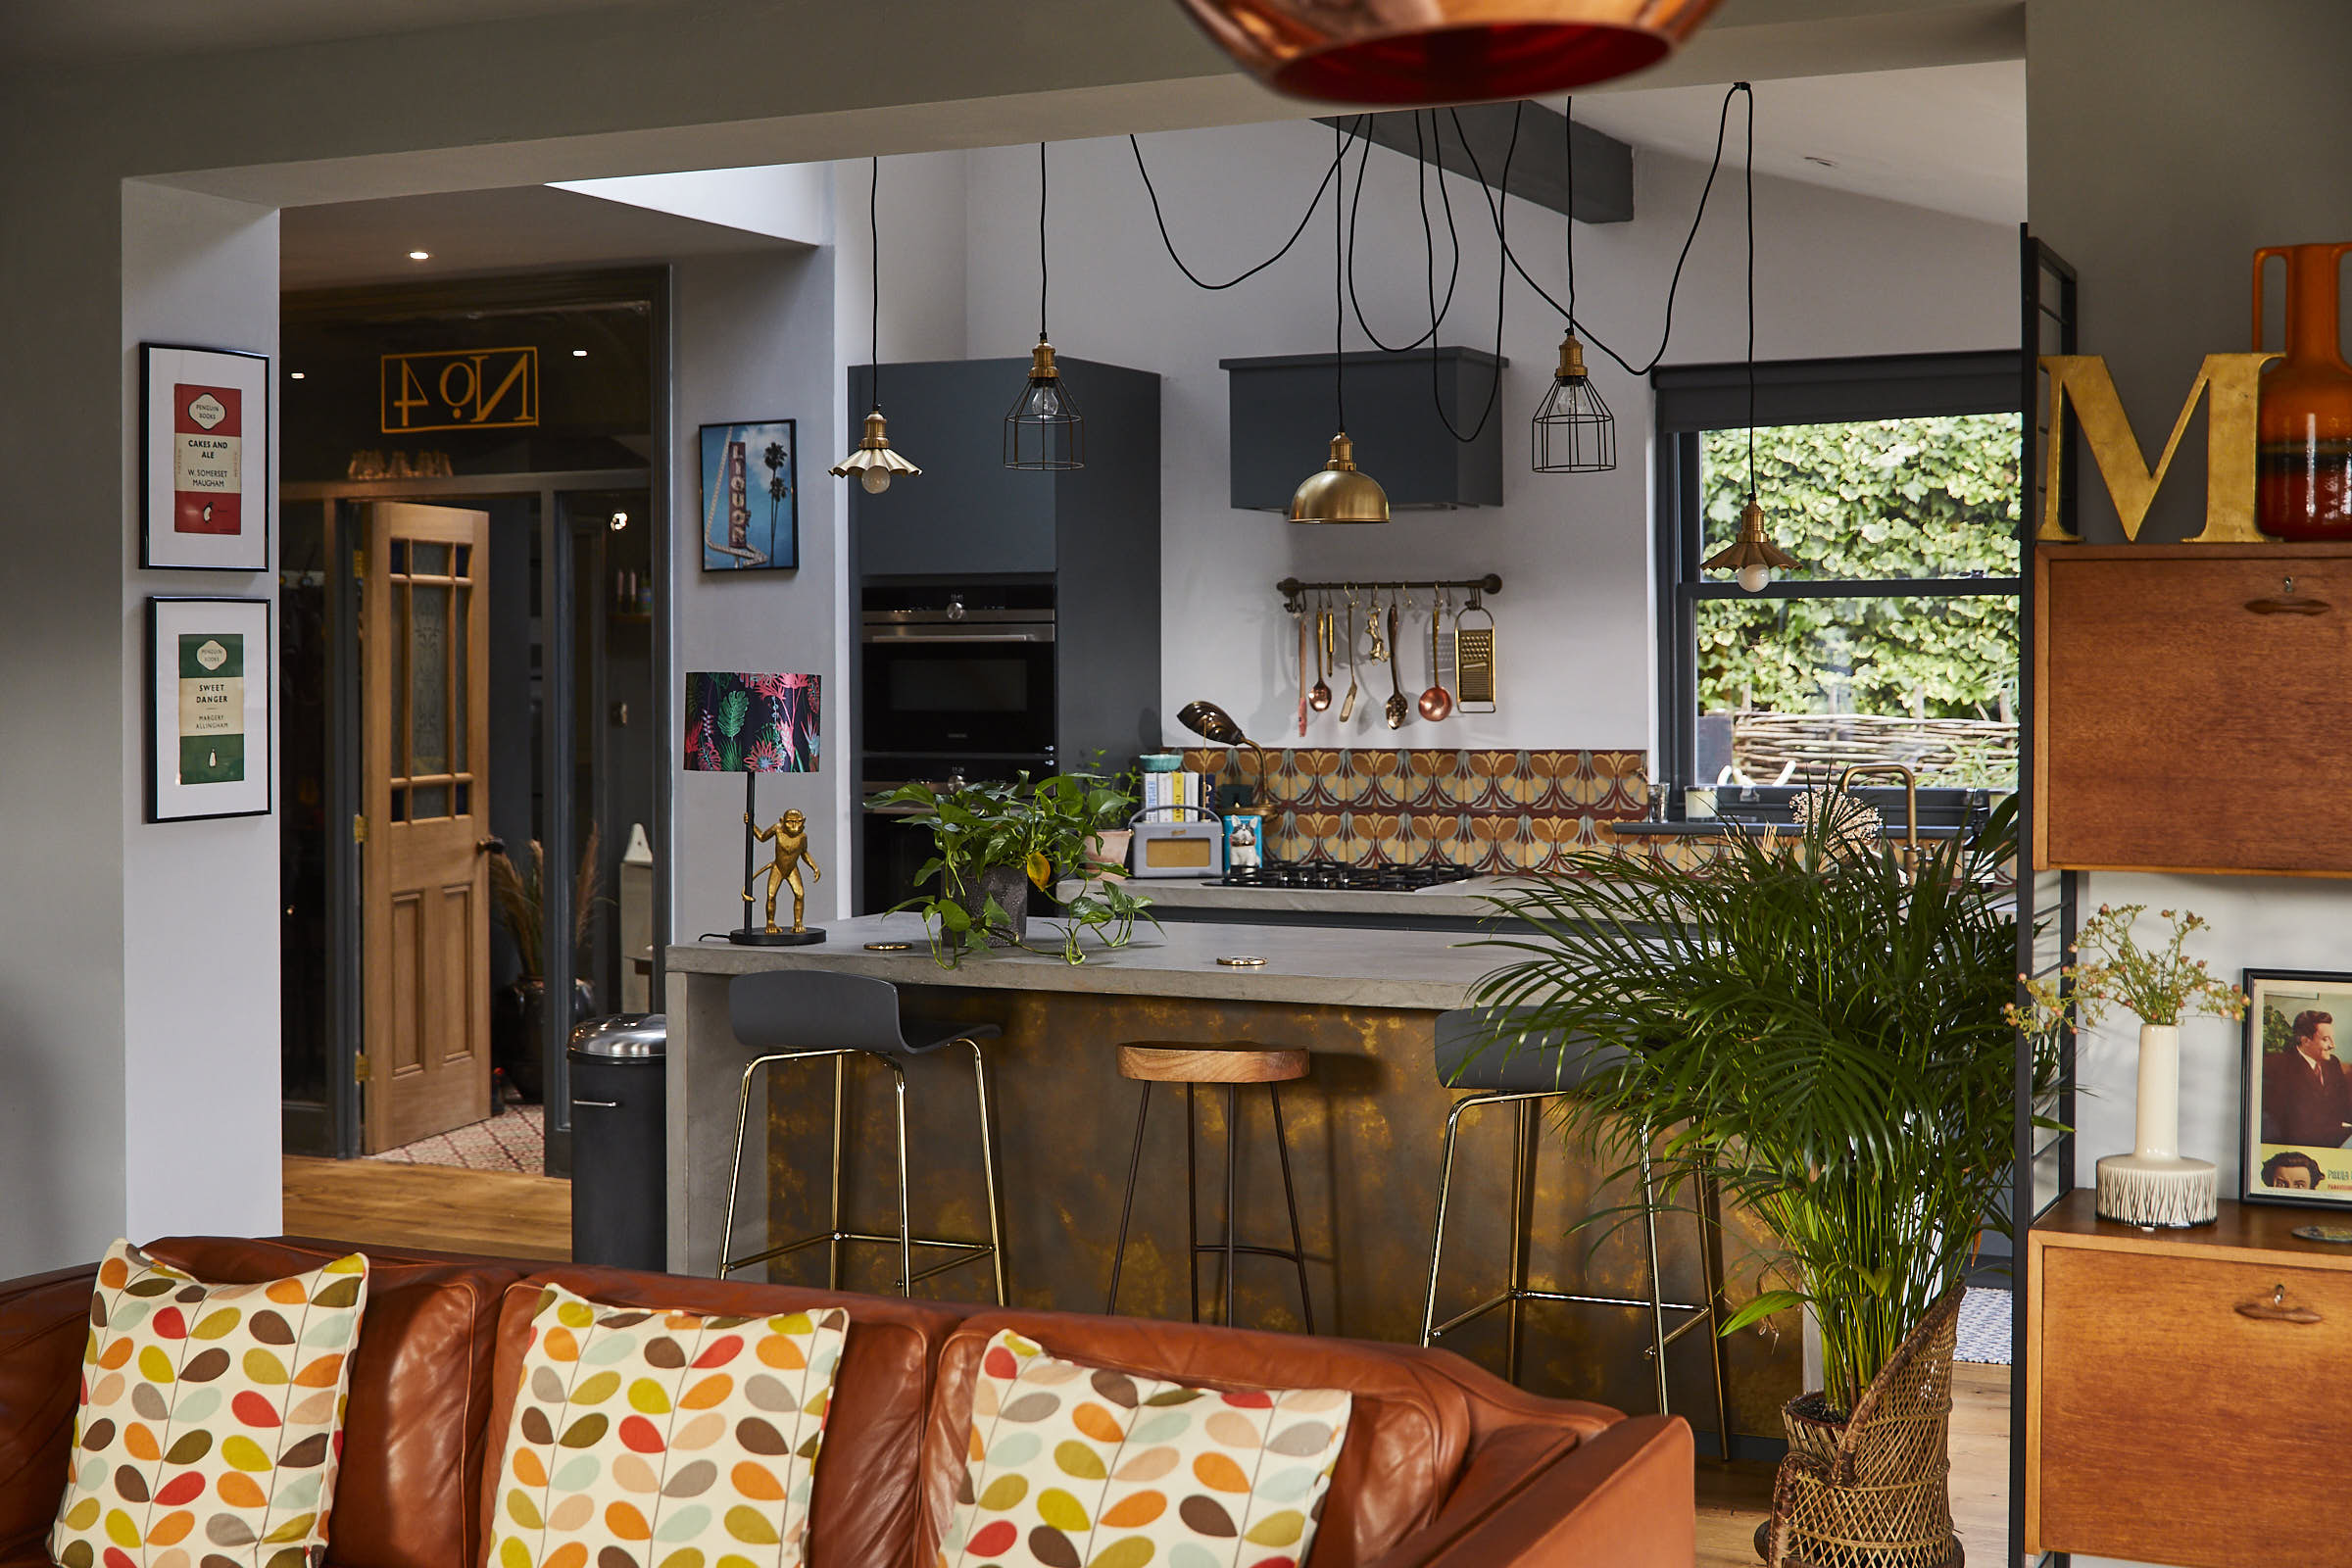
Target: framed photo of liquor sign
[(208, 679), (751, 497), (204, 459), (2297, 1090)]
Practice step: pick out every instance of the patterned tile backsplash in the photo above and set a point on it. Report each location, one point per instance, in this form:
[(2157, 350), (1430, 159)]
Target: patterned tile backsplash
[(1487, 810)]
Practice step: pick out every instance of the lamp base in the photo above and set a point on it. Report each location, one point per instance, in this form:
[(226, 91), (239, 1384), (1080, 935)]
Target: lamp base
[(754, 938), (2155, 1193)]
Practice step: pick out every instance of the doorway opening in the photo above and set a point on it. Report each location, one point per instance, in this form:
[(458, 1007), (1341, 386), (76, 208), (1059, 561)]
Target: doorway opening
[(472, 534)]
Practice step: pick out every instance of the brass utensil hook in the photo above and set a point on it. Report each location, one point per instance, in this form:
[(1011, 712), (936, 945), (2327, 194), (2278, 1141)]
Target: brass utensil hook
[(1844, 785)]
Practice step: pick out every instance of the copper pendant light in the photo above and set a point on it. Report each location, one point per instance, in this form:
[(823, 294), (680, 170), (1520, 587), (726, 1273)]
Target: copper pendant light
[(1444, 51), (1338, 491), (1043, 432), (872, 464), (1752, 557)]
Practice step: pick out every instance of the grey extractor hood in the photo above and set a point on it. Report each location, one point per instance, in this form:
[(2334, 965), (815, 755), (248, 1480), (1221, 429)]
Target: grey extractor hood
[(1283, 418)]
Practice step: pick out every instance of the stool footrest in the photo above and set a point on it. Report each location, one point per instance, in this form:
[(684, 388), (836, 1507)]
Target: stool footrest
[(1287, 1254), (1700, 1313), (968, 1249)]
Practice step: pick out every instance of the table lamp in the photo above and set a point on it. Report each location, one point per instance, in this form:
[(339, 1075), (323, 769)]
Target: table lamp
[(1212, 723), (755, 724)]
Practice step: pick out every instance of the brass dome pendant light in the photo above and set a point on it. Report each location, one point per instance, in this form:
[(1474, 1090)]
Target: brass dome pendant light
[(1444, 51), (1574, 431), (1752, 555), (873, 463), (1044, 431), (1339, 491)]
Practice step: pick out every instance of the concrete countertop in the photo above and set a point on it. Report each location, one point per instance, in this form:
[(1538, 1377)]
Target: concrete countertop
[(1451, 902), (1315, 966)]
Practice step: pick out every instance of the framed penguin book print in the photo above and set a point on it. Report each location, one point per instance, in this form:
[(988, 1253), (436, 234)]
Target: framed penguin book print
[(204, 459), (209, 678)]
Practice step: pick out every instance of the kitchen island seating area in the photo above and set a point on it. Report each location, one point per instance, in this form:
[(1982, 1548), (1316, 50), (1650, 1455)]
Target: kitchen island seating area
[(1441, 1467)]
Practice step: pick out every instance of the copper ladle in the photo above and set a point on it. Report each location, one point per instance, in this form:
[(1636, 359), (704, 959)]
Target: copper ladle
[(1319, 699), (1436, 702)]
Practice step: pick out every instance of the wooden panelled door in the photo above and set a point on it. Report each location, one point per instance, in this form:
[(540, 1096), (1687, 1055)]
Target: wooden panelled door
[(426, 904)]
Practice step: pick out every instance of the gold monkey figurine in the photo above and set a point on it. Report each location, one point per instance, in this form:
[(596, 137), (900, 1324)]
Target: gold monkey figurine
[(791, 833)]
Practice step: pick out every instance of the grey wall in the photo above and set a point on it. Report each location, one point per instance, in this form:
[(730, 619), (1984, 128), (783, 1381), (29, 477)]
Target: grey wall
[(2170, 139)]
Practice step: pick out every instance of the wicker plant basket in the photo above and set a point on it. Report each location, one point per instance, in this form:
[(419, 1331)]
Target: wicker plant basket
[(1872, 1491)]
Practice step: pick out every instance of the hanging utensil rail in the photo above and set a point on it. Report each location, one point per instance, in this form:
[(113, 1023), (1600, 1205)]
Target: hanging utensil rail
[(1294, 591)]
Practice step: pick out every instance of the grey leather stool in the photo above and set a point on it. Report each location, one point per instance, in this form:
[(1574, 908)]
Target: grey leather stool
[(1481, 1051), (804, 1014)]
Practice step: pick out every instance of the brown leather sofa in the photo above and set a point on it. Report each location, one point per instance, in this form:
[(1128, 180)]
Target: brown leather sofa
[(1444, 1467)]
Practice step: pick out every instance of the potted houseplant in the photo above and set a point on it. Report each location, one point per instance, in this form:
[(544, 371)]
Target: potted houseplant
[(1824, 1031), (2153, 1186), (994, 840), (518, 1008)]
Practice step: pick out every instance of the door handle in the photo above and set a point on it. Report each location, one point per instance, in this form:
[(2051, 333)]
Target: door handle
[(2275, 1308), (489, 846), (614, 1105)]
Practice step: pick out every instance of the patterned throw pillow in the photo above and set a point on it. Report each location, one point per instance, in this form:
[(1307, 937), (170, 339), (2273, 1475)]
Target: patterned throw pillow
[(1074, 1465), (212, 1417), (645, 1438)]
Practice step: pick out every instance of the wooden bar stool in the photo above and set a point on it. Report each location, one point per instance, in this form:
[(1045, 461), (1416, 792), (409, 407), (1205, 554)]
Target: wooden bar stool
[(809, 1014), (1168, 1062), (1484, 1052)]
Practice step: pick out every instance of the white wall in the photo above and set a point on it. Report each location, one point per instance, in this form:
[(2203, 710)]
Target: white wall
[(197, 1100), (1837, 274), (753, 339)]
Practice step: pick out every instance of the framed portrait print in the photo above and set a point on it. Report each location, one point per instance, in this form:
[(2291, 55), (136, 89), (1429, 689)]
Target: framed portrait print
[(204, 459), (751, 497), (210, 674), (2298, 1091)]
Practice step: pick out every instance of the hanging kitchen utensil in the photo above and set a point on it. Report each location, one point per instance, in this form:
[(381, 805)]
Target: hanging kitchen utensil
[(1378, 653), (1474, 659), (1319, 699), (1302, 659), (1436, 702), (1348, 703), (1399, 711)]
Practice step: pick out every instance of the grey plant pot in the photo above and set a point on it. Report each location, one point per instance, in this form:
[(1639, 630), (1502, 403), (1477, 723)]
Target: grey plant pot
[(1008, 885)]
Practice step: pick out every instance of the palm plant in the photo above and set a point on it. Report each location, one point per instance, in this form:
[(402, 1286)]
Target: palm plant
[(515, 894), (1818, 1026)]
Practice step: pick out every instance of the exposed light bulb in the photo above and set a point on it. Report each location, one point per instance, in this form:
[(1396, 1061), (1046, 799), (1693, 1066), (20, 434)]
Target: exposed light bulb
[(1755, 579), (875, 480)]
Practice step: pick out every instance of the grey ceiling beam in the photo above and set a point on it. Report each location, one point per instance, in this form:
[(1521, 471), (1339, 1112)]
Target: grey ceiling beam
[(1604, 166)]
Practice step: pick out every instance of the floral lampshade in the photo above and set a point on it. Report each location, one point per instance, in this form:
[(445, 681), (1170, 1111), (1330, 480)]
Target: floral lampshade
[(736, 723)]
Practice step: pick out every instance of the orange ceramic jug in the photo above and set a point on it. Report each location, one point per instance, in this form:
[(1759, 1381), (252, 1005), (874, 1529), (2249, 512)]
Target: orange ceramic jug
[(2304, 429)]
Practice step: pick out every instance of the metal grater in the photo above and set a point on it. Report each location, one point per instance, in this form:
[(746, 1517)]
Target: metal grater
[(1474, 661)]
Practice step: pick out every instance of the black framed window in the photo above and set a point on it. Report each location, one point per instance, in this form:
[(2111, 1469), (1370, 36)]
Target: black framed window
[(1894, 480)]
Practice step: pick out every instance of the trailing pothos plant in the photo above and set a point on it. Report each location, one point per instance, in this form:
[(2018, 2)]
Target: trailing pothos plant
[(1824, 1034), (1038, 828)]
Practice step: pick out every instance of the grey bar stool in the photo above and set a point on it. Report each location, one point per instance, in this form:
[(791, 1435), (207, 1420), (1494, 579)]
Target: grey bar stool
[(1482, 1051), (1232, 1065), (806, 1015)]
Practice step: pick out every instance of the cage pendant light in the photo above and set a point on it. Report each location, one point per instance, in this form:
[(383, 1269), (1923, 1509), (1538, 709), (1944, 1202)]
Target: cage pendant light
[(1573, 431), (1338, 491), (1044, 431), (1752, 557), (872, 463)]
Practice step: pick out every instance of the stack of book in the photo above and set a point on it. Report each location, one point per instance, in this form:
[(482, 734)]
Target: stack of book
[(1163, 790)]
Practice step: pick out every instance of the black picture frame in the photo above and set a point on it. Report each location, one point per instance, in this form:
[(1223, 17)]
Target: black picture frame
[(777, 547), (161, 547), (170, 800), (2262, 1158)]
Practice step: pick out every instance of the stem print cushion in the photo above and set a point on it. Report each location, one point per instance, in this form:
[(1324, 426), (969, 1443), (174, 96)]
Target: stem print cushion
[(1083, 1467), (646, 1439), (212, 1417)]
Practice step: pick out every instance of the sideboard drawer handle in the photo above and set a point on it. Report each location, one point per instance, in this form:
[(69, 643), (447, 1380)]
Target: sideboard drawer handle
[(2290, 607), (2274, 1309)]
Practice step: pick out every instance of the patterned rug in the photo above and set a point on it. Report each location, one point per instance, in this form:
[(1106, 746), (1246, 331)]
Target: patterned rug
[(1984, 1325), (516, 1140)]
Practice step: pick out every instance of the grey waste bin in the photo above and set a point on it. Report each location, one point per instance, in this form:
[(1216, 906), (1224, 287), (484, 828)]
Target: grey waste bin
[(620, 1142)]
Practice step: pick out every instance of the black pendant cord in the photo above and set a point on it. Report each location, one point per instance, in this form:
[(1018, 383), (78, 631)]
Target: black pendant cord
[(1499, 202), (1339, 282), (1041, 242), (1354, 228), (1568, 224), (1752, 296), (1196, 280), (1674, 289), (874, 239)]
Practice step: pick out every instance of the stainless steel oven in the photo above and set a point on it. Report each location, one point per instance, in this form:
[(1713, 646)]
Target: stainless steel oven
[(958, 672)]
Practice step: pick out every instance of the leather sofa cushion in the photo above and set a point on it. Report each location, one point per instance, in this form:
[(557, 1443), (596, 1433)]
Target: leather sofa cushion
[(419, 1396), (1408, 1431), (867, 1504)]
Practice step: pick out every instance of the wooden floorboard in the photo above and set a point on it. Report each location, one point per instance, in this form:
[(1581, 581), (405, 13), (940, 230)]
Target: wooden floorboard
[(366, 1202), (1733, 1499)]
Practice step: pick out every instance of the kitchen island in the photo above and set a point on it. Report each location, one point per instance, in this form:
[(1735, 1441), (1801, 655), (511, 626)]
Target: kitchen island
[(1365, 1133)]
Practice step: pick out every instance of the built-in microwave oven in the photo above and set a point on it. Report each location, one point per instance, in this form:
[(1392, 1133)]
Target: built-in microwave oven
[(959, 672)]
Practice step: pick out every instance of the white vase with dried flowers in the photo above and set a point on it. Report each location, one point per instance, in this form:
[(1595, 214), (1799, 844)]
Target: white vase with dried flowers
[(2154, 1186)]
